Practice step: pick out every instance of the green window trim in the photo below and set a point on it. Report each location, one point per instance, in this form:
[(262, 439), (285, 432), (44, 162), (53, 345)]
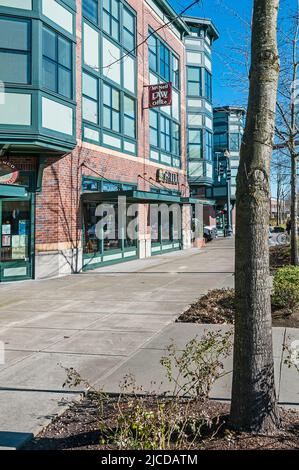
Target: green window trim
[(194, 82)]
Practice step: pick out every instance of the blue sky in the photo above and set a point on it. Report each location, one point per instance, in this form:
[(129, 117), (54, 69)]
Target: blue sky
[(232, 18)]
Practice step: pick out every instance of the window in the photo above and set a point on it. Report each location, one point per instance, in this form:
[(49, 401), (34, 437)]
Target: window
[(164, 62), (90, 10), (220, 141), (208, 85), (129, 30), (129, 117), (234, 142), (165, 134), (175, 139), (15, 51), (153, 55), (195, 143), (90, 99), (175, 72), (209, 145), (194, 85), (57, 63), (111, 108), (111, 18), (154, 128)]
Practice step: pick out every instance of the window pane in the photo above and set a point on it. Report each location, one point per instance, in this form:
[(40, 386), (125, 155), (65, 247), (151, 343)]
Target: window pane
[(129, 127), (90, 10), (129, 107), (115, 29), (115, 121), (106, 118), (153, 119), (194, 151), (64, 82), (90, 110), (194, 137), (64, 52), (14, 68), (115, 8), (14, 34), (115, 99), (128, 20), (107, 95), (106, 22), (193, 74), (49, 74), (49, 44), (193, 89), (129, 41), (90, 86)]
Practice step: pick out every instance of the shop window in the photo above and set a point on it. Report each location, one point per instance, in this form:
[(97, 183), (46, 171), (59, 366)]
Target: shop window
[(15, 51), (15, 230), (57, 63)]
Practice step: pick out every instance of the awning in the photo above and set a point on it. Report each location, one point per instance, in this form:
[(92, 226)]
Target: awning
[(11, 190), (132, 196), (194, 200)]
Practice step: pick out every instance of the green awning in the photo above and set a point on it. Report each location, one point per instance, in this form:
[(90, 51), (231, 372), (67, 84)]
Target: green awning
[(132, 196), (194, 200), (11, 190)]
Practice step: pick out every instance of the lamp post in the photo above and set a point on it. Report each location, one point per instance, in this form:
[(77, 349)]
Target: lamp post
[(228, 230)]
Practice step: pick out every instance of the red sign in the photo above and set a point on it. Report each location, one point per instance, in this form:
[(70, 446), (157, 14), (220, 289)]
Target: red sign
[(8, 173), (160, 95)]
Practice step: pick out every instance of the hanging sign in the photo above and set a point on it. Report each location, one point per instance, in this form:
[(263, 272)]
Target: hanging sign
[(167, 177), (160, 95), (8, 173)]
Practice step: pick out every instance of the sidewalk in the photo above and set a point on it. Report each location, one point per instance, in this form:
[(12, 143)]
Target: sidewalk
[(103, 323)]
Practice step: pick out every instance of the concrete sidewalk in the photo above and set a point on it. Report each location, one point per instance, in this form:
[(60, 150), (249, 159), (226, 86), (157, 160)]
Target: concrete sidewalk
[(102, 323)]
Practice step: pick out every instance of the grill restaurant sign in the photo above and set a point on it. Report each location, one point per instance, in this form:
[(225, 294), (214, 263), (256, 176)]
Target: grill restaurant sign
[(160, 95), (8, 173), (167, 177)]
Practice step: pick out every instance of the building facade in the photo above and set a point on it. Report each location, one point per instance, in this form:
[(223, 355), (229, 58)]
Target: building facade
[(228, 131), (76, 133)]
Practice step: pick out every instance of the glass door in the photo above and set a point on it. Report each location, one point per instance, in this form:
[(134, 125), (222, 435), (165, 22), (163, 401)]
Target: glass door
[(15, 239)]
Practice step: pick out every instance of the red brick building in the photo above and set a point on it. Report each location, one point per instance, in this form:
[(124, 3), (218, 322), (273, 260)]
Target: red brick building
[(76, 131)]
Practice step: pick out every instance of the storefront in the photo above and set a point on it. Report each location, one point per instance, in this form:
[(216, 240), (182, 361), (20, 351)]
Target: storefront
[(17, 224), (163, 209)]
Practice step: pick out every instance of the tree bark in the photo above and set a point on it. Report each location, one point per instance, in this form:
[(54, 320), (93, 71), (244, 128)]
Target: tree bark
[(254, 405), (294, 209)]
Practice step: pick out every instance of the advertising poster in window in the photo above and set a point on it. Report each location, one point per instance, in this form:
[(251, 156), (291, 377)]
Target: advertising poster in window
[(6, 240), (6, 229)]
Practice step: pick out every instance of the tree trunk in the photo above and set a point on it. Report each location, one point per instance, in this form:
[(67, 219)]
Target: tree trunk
[(294, 210), (254, 405)]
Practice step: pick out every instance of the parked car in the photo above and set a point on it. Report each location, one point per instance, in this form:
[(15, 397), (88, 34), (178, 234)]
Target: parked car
[(209, 233), (278, 230)]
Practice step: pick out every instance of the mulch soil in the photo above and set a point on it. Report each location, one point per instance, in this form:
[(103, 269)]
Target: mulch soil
[(78, 429)]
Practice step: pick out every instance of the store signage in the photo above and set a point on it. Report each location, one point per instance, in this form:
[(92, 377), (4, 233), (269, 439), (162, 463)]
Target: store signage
[(168, 177), (160, 95), (8, 173)]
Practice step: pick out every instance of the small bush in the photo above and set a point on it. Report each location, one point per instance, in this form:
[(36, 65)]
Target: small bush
[(286, 288)]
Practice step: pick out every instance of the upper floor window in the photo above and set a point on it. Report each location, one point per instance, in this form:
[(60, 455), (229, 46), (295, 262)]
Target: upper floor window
[(195, 143), (129, 27), (234, 142), (163, 62), (209, 145), (194, 85), (57, 63), (111, 110), (220, 140), (208, 85), (111, 18), (90, 10), (15, 51), (90, 98)]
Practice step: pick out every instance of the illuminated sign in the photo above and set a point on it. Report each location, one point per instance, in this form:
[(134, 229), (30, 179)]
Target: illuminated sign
[(168, 177)]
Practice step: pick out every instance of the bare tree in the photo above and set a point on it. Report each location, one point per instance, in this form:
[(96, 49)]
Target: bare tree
[(254, 405), (280, 175), (287, 130)]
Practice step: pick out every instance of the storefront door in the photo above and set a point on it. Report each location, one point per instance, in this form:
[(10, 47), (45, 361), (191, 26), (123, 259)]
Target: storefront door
[(15, 239)]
